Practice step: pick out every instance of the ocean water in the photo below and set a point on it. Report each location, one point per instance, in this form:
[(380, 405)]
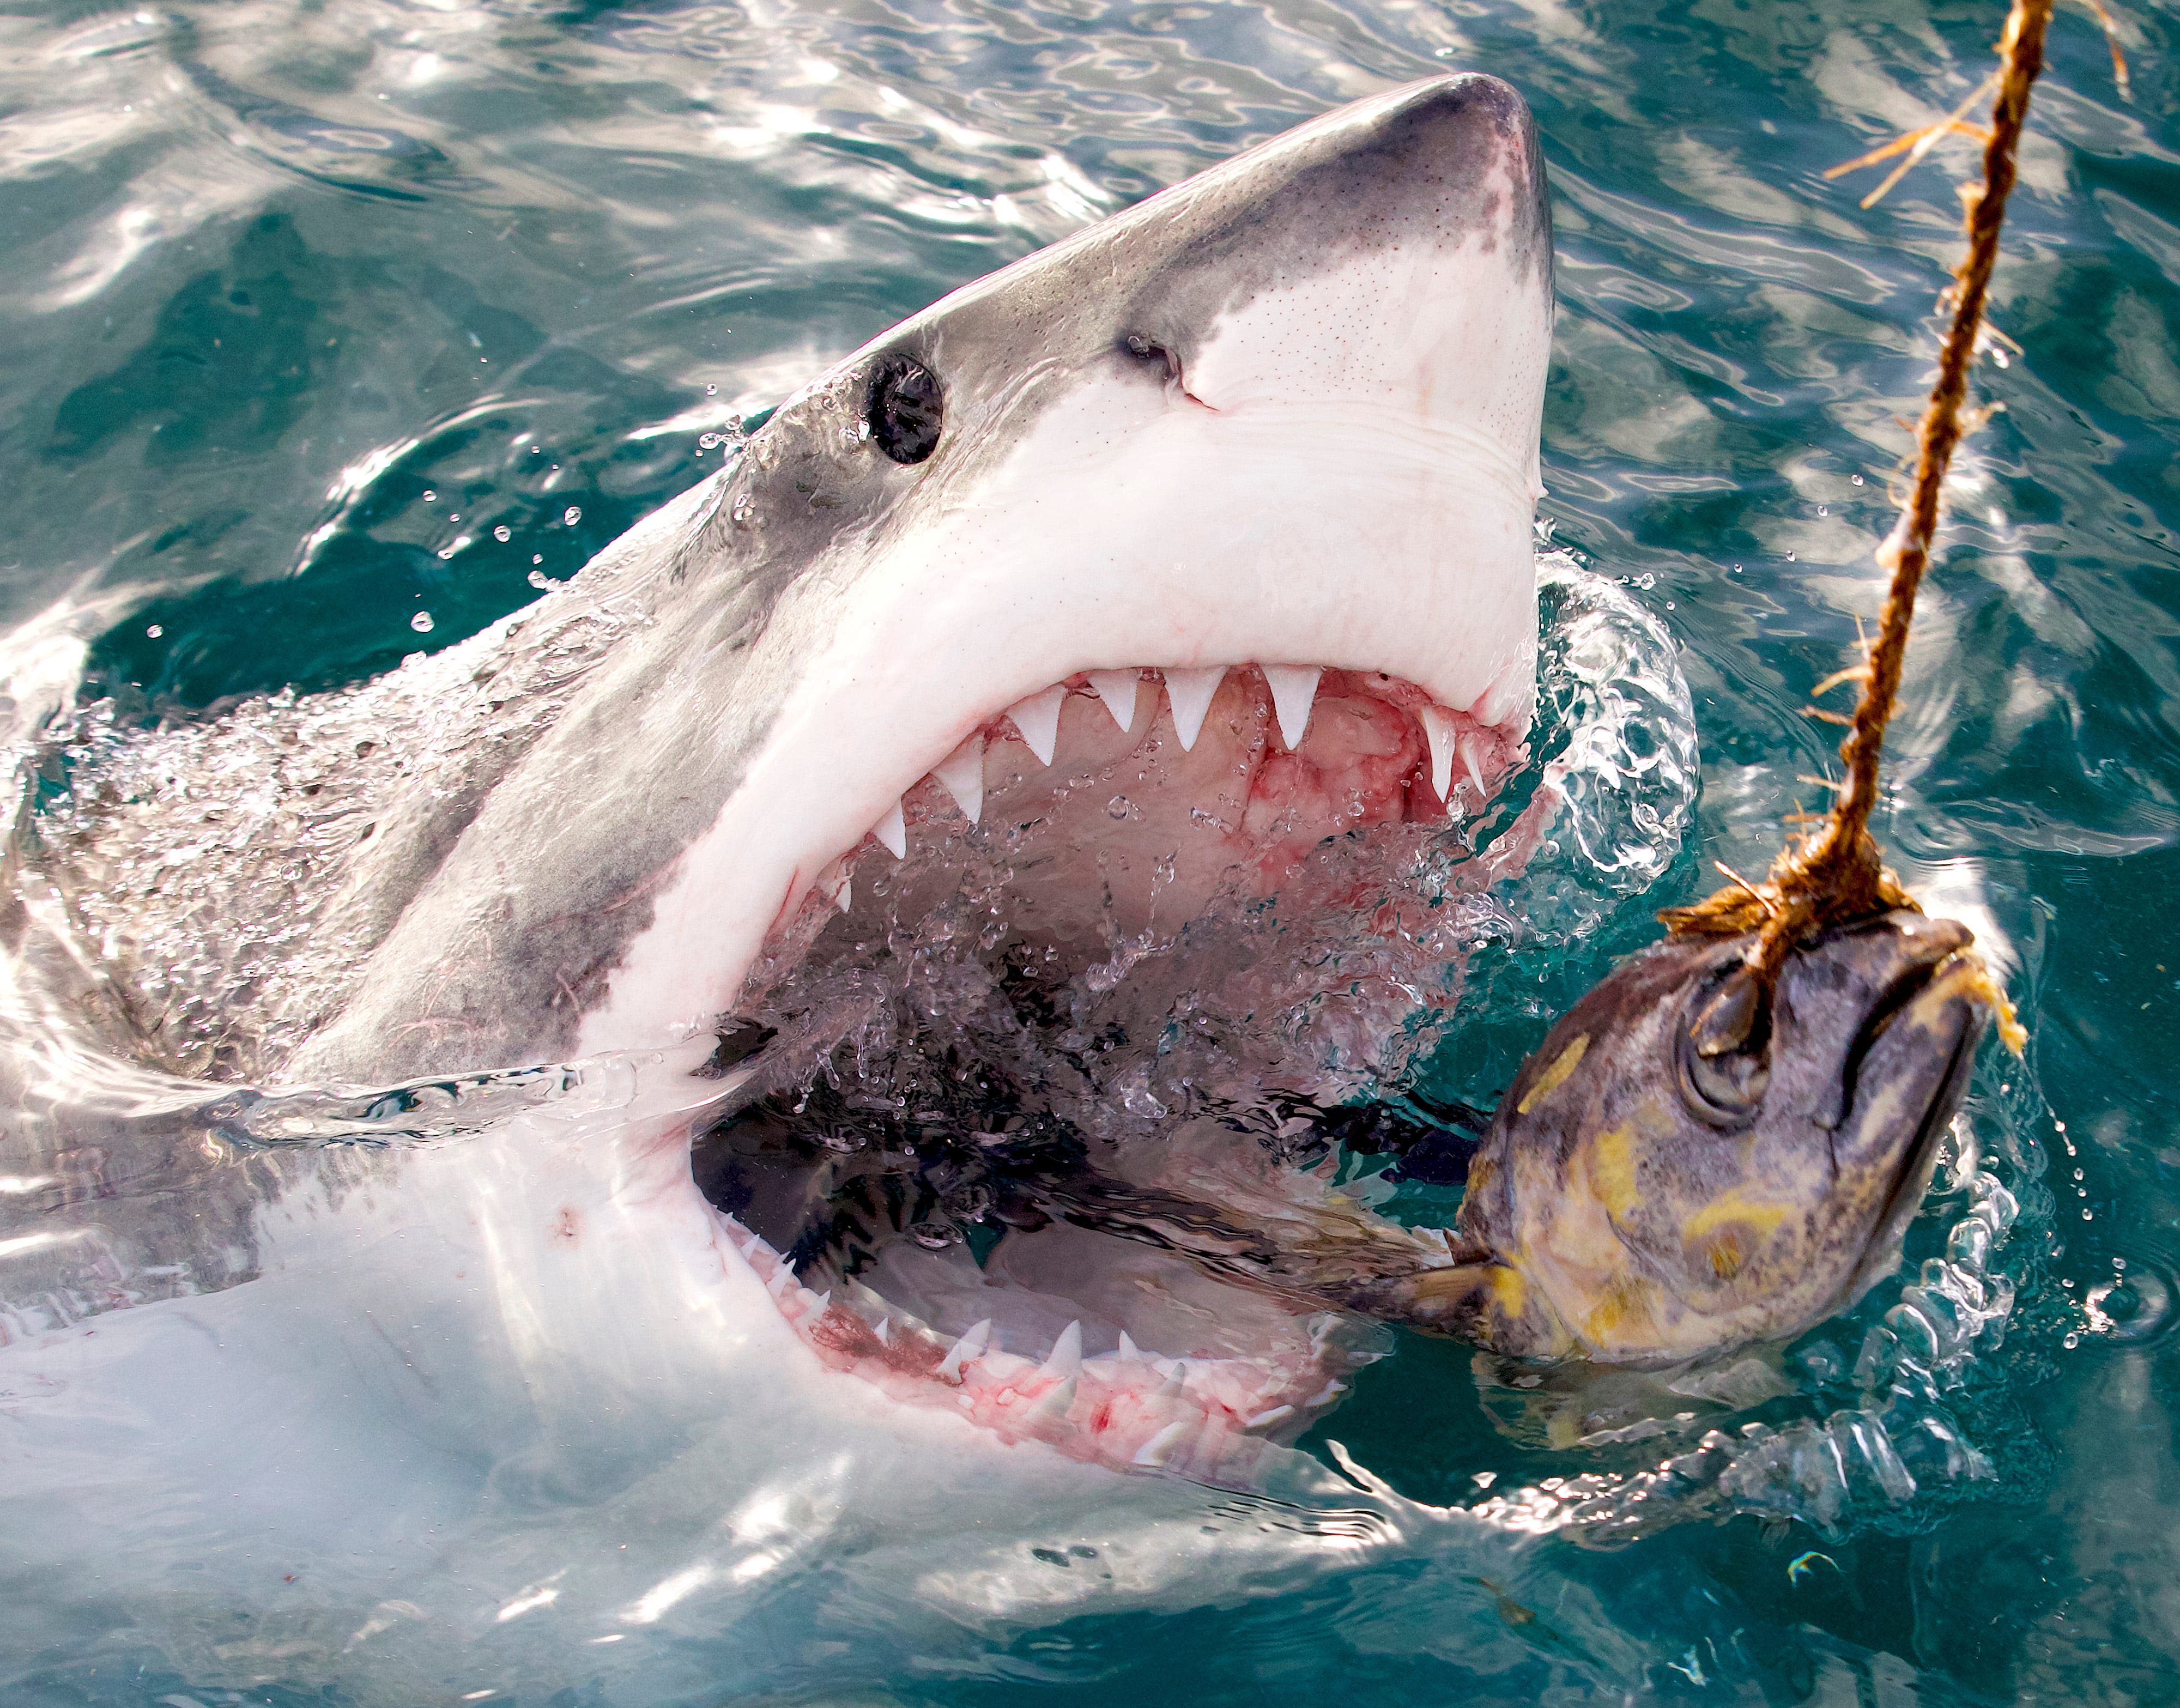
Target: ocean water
[(310, 305)]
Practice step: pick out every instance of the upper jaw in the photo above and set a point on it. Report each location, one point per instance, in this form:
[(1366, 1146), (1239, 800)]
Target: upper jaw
[(1026, 588)]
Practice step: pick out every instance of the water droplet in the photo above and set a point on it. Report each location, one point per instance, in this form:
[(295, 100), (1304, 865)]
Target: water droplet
[(421, 622), (1117, 807), (2071, 1341), (536, 450), (155, 631), (708, 441), (455, 517), (1790, 557), (572, 514), (446, 553), (430, 497), (539, 579), (503, 533), (1824, 509), (1857, 479), (537, 557), (711, 391)]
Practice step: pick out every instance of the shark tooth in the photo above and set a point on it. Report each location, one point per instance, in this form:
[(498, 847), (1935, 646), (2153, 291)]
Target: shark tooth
[(1064, 1360), (961, 774), (967, 1350), (884, 1331), (1117, 689), (1294, 691), (1038, 717), (1468, 762), (1438, 728), (1189, 693), (1052, 1407), (1129, 1351), (1154, 1453), (893, 831), (1265, 1419)]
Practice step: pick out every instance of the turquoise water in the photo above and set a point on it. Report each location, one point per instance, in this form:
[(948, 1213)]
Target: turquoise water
[(308, 303)]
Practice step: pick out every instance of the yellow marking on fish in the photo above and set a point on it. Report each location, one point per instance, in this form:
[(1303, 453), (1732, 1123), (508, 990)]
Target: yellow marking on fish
[(1509, 1290), (1624, 1302), (1612, 1172), (1726, 1256), (1730, 1206), (1550, 1079)]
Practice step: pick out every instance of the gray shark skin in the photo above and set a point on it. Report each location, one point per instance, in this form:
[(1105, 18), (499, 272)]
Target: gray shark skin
[(1200, 434), (509, 1407)]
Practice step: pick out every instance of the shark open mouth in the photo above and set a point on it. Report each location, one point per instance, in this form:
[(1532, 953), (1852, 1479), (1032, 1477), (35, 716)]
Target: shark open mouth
[(1094, 824)]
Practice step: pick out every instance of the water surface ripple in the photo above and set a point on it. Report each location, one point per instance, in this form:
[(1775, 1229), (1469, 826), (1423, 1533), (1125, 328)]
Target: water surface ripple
[(311, 305)]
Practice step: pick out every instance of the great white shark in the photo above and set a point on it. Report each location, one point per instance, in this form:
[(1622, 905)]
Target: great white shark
[(1222, 510)]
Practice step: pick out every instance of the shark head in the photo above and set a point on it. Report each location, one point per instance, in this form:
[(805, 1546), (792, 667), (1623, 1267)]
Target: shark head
[(1220, 509)]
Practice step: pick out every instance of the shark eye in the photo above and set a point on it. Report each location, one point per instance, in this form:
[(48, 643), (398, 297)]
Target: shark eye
[(1725, 1050), (906, 408)]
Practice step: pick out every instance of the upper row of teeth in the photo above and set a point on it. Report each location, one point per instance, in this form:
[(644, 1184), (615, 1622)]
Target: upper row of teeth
[(1189, 693)]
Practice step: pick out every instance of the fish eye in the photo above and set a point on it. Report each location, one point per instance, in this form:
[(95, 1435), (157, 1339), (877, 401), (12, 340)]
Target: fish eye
[(906, 408), (1725, 1050)]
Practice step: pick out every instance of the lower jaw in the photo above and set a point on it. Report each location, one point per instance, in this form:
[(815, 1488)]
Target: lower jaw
[(1128, 1407)]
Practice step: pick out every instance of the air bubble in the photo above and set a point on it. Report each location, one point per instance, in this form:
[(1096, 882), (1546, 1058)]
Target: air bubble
[(711, 391), (421, 622), (430, 497), (503, 533), (1856, 478), (1118, 806), (2129, 1308), (154, 631), (539, 579), (537, 557), (572, 514)]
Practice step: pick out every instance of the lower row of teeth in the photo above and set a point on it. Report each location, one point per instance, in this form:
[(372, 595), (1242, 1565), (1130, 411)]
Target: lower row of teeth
[(1189, 694), (1128, 1408)]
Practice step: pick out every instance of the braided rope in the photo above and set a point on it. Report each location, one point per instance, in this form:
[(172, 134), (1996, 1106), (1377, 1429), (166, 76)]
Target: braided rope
[(1835, 874)]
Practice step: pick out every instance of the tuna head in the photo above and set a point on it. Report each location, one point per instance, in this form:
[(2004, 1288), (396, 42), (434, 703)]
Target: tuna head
[(1685, 1164)]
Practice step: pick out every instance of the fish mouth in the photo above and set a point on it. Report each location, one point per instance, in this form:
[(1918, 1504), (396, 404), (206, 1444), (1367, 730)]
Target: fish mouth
[(1949, 994)]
